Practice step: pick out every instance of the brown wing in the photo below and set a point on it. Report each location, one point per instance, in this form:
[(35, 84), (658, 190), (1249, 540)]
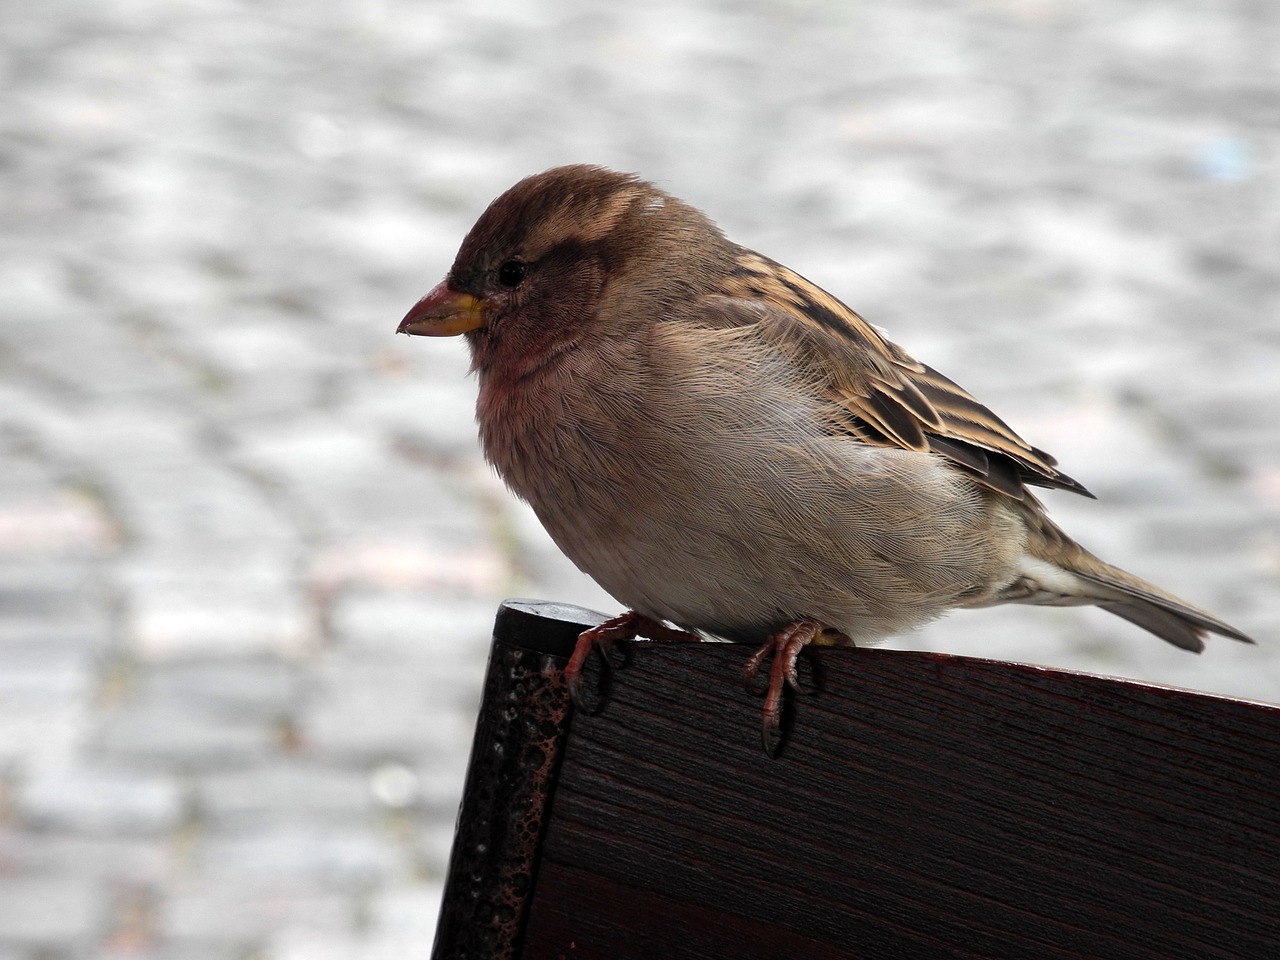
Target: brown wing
[(890, 398)]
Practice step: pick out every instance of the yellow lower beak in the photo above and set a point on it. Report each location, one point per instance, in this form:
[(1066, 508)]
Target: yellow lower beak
[(443, 313)]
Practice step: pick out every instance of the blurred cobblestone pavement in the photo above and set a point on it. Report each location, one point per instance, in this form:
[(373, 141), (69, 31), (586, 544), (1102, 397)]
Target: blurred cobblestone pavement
[(249, 553)]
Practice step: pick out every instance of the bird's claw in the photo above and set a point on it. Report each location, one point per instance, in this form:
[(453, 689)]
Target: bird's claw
[(784, 647), (588, 697)]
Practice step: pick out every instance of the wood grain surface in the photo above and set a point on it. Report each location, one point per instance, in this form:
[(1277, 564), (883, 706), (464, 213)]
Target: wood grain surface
[(923, 806)]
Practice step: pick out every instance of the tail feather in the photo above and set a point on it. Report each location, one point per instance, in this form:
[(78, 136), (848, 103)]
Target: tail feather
[(1163, 624), (1146, 605), (1058, 571)]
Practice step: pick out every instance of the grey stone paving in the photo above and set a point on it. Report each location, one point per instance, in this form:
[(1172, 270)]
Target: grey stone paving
[(249, 553)]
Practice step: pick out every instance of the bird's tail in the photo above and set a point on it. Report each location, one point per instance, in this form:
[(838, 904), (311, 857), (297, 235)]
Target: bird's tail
[(1054, 570), (1151, 608)]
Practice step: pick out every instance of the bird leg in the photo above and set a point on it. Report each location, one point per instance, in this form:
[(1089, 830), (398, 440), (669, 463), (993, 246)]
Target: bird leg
[(604, 637), (785, 646)]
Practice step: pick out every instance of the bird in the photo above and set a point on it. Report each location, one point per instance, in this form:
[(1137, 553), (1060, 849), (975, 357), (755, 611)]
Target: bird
[(730, 451)]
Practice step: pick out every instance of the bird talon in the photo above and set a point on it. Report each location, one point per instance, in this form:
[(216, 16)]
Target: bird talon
[(751, 669), (585, 693), (801, 689), (784, 647), (771, 736), (614, 654), (588, 695)]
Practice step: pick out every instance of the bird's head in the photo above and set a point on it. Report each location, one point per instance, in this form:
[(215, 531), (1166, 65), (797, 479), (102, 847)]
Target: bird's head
[(572, 254)]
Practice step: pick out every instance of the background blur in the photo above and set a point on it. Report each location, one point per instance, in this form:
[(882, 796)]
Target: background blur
[(249, 552)]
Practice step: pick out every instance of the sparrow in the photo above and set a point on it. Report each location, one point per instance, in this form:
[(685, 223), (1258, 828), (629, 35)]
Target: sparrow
[(727, 448)]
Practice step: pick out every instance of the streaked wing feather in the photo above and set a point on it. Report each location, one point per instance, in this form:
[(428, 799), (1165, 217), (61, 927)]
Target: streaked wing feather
[(908, 395), (891, 419), (892, 399)]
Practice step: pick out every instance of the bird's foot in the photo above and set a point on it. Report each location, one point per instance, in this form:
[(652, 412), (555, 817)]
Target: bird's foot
[(784, 647), (604, 637)]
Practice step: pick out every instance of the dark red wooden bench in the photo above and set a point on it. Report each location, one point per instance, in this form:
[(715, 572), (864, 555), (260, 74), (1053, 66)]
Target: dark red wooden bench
[(923, 806)]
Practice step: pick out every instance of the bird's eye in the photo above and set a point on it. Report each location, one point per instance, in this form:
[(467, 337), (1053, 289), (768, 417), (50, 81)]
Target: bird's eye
[(511, 273)]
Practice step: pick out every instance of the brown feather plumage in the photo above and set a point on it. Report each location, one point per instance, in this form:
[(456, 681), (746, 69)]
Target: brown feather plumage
[(724, 445), (903, 402)]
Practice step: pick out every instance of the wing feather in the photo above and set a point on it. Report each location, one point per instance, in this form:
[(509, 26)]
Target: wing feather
[(890, 398)]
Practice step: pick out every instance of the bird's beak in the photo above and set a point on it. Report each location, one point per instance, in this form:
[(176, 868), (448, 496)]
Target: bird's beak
[(443, 313)]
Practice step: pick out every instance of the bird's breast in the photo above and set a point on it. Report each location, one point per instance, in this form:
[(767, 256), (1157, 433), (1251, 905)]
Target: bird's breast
[(717, 499), (565, 440)]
